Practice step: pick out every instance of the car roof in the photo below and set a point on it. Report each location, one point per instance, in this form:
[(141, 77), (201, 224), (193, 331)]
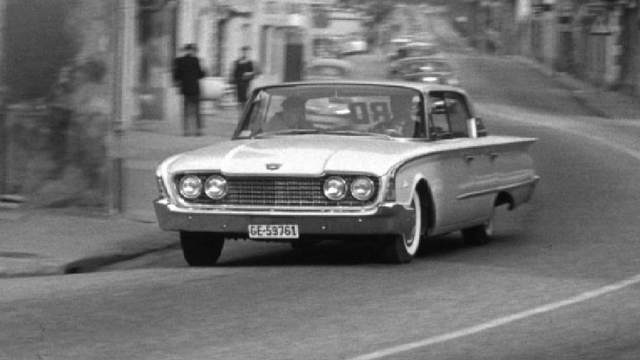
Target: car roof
[(423, 87), (417, 44), (329, 62)]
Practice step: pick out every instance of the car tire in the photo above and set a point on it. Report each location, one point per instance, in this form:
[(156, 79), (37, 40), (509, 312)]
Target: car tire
[(201, 248), (480, 234), (401, 249)]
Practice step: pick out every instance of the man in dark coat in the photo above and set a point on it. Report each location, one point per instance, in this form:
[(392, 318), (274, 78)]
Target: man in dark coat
[(186, 75), (243, 73)]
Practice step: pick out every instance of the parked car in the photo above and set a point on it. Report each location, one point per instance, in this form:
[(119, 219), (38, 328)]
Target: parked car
[(328, 69), (395, 44), (417, 49), (413, 50), (404, 162), (353, 44), (425, 69)]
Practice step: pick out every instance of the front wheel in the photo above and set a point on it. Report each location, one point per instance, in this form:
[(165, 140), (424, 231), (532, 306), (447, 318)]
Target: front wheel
[(403, 248), (201, 248)]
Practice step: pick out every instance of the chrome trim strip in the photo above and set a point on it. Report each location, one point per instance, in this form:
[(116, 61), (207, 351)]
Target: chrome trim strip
[(274, 212), (498, 189)]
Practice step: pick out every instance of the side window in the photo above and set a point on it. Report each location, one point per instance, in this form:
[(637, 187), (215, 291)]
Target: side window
[(438, 120), (458, 114)]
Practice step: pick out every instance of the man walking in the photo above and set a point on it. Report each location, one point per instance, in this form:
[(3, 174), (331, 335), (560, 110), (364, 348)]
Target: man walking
[(243, 73), (186, 75)]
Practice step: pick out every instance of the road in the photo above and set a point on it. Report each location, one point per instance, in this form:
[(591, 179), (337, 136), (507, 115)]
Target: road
[(561, 279)]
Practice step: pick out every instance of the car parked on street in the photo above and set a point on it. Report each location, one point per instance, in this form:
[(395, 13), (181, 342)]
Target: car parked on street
[(424, 69), (395, 44), (328, 69), (400, 162), (415, 49)]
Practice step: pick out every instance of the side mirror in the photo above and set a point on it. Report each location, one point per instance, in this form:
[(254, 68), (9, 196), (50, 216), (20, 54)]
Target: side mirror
[(476, 127)]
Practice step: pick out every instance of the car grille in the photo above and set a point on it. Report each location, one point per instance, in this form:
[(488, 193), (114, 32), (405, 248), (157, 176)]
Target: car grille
[(279, 192)]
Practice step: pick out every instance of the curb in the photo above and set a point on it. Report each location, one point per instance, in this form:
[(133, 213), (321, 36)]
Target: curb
[(93, 263)]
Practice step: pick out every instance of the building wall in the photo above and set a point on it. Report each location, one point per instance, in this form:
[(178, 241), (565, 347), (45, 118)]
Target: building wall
[(596, 41), (286, 21), (60, 119)]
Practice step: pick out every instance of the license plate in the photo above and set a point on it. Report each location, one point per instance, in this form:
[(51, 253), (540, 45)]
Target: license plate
[(283, 231)]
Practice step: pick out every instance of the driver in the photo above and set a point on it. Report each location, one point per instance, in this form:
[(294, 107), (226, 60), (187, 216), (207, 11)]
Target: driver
[(292, 116)]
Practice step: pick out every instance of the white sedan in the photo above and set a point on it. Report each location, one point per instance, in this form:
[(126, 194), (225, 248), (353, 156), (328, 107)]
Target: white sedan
[(401, 162)]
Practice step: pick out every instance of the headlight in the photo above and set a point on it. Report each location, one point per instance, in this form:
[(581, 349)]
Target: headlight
[(190, 187), (215, 187), (362, 188), (335, 188), (430, 79)]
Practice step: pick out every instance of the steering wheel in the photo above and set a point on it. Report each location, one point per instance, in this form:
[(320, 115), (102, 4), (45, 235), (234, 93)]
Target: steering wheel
[(386, 127)]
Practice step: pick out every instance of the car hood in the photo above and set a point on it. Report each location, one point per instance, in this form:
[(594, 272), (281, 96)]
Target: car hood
[(305, 155)]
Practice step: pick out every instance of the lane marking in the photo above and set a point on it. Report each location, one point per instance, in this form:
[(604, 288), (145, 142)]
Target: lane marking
[(500, 321), (527, 313)]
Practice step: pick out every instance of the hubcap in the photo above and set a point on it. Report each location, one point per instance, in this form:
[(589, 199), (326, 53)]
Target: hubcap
[(411, 242)]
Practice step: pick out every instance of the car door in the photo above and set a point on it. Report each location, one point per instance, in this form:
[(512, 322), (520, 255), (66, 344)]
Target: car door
[(463, 165)]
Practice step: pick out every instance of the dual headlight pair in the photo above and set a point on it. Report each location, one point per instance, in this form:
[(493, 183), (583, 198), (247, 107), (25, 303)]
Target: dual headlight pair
[(191, 187), (334, 188)]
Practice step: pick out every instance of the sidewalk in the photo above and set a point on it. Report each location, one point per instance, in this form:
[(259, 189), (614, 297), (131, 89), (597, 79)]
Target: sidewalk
[(36, 242), (601, 102), (50, 242)]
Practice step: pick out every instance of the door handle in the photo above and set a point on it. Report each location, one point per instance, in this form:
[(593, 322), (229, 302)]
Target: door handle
[(468, 158), (492, 155)]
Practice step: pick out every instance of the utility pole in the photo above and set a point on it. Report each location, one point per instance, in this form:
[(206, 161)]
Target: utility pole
[(115, 151), (3, 86)]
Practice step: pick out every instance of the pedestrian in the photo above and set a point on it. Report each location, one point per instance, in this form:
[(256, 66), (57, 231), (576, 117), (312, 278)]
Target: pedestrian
[(187, 73), (243, 73)]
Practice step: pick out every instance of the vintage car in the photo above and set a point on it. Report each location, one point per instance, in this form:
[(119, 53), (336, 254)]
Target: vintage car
[(395, 44), (416, 49), (353, 44), (424, 69), (404, 162), (327, 69)]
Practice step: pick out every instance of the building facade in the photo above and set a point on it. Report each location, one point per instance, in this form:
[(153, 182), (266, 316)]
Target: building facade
[(58, 128), (595, 40)]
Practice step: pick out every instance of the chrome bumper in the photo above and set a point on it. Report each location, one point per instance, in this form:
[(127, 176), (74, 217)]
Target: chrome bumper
[(386, 219)]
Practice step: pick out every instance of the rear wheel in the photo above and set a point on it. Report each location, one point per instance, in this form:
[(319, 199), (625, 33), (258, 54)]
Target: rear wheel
[(201, 248), (480, 234), (403, 248)]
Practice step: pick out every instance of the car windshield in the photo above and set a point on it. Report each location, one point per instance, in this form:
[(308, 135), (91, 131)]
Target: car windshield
[(336, 109)]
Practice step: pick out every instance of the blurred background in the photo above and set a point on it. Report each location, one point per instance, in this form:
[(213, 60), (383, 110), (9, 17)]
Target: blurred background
[(77, 75)]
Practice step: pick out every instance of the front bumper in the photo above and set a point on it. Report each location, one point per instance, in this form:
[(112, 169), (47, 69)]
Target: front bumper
[(383, 220)]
